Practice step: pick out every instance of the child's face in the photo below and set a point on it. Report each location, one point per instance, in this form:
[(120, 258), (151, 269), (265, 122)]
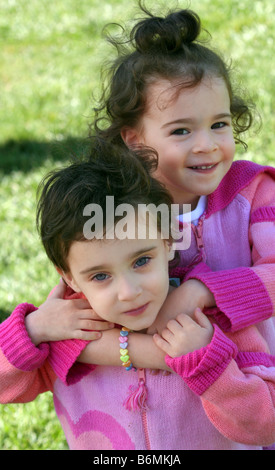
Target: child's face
[(192, 133), (125, 281)]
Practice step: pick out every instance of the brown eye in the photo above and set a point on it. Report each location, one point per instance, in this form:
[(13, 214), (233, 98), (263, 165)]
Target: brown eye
[(219, 125), (180, 132)]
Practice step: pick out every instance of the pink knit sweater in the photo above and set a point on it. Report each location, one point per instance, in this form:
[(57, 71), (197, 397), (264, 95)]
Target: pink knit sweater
[(220, 397)]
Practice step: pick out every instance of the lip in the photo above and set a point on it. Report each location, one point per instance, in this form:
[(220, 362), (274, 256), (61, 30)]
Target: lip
[(136, 311)]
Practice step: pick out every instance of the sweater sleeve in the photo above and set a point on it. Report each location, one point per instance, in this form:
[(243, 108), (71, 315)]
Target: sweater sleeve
[(24, 370), (246, 295), (16, 343), (240, 294), (237, 389), (63, 360), (63, 355)]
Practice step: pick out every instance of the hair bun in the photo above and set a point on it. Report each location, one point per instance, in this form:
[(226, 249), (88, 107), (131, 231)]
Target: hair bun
[(167, 34)]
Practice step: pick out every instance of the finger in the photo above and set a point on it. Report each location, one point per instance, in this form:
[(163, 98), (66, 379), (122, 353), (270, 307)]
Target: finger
[(96, 325), (161, 343), (58, 291), (88, 335), (175, 325), (202, 319), (184, 320), (168, 334), (86, 313)]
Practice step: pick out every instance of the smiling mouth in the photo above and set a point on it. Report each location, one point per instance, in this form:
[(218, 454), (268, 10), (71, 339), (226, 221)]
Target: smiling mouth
[(203, 168), (136, 311)]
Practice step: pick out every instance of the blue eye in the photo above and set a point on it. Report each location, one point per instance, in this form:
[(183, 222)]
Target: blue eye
[(142, 261), (100, 277)]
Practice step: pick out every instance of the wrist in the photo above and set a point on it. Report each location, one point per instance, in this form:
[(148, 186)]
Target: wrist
[(201, 368), (16, 343), (201, 294), (146, 354), (34, 329)]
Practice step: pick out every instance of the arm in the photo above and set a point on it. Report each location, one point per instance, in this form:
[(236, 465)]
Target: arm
[(186, 298), (241, 404), (142, 349), (62, 356), (64, 316), (237, 389), (67, 322), (255, 288), (24, 371), (73, 359)]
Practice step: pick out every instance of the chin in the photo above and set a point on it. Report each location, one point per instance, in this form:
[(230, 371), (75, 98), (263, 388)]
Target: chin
[(142, 327)]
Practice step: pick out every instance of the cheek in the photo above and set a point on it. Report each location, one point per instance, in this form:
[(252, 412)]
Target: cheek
[(159, 285), (229, 147), (171, 158), (94, 299)]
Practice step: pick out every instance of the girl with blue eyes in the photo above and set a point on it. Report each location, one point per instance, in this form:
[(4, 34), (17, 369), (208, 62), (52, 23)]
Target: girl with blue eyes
[(213, 394)]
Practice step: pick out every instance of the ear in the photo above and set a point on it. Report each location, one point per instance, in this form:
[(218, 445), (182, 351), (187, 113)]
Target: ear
[(171, 251), (130, 136), (68, 279)]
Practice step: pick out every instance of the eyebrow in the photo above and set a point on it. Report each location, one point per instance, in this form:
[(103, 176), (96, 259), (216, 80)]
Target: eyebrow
[(191, 121), (103, 267)]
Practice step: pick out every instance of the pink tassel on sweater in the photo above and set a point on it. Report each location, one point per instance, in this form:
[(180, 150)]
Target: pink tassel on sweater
[(137, 395)]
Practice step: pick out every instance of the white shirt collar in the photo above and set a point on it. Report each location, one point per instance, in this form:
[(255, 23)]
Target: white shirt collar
[(196, 213)]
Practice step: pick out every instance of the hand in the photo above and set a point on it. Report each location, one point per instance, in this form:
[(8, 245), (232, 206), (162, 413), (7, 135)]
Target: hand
[(184, 334), (184, 299), (58, 319)]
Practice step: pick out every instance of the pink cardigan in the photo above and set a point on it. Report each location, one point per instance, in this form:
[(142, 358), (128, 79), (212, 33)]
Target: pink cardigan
[(235, 237)]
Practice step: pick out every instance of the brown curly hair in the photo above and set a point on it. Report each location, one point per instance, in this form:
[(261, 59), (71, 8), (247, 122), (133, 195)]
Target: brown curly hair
[(161, 48)]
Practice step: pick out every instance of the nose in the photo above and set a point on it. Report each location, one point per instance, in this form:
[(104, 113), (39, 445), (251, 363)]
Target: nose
[(128, 288), (205, 142)]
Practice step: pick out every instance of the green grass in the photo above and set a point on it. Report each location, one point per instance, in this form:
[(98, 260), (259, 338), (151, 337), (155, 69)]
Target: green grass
[(51, 53)]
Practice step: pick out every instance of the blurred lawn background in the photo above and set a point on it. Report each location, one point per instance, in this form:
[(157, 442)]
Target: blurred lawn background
[(51, 52)]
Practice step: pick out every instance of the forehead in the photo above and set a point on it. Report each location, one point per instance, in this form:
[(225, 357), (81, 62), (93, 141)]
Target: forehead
[(166, 95), (97, 254), (126, 221), (135, 231)]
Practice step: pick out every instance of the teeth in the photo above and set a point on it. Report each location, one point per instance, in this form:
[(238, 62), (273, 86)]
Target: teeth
[(203, 167)]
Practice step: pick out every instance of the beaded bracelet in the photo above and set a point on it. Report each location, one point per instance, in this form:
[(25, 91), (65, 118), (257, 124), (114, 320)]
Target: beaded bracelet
[(124, 353)]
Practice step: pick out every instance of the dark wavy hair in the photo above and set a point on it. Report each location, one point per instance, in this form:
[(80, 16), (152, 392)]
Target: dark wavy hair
[(161, 48), (108, 170)]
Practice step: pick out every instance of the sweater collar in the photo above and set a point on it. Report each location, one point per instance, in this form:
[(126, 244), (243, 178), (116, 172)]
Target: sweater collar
[(241, 173)]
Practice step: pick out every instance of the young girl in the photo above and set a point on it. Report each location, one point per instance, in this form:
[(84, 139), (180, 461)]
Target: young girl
[(221, 394), (174, 94)]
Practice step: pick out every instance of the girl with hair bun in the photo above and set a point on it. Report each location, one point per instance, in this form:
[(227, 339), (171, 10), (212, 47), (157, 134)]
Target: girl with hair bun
[(170, 92)]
